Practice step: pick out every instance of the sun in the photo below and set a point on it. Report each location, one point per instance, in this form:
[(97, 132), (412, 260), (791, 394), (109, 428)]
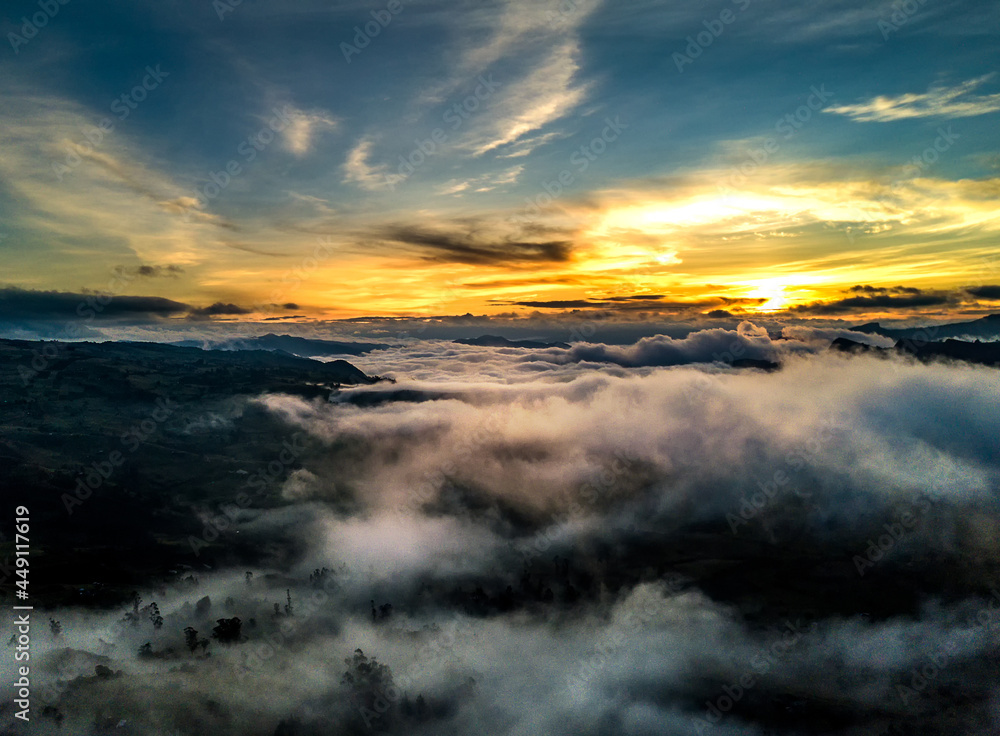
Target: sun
[(773, 290)]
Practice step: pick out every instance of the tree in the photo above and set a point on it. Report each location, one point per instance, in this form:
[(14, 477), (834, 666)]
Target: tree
[(371, 687), (317, 576), (191, 638), (365, 675), (50, 711), (203, 606), (228, 630), (133, 617), (154, 615)]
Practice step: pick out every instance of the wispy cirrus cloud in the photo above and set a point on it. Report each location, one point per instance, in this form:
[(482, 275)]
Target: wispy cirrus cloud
[(484, 183), (540, 83), (31, 304), (458, 245), (358, 170), (79, 194), (952, 102), (303, 127), (543, 96), (871, 299)]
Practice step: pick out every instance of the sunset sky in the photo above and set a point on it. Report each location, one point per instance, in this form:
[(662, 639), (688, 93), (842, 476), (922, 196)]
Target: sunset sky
[(344, 159)]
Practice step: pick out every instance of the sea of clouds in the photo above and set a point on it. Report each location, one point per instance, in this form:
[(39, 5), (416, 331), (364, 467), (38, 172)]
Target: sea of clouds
[(729, 551)]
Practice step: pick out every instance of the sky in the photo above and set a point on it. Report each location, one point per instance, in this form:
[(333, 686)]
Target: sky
[(308, 161)]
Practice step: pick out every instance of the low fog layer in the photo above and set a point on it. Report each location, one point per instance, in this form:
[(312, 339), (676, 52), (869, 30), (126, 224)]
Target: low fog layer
[(594, 540)]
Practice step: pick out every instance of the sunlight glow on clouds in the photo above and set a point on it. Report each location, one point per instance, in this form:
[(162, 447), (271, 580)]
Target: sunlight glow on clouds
[(951, 102), (668, 210), (303, 127)]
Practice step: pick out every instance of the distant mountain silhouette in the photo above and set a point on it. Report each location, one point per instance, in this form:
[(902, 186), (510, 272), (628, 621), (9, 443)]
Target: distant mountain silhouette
[(149, 369), (303, 346), (379, 397), (846, 345), (764, 365), (495, 341), (986, 328), (982, 353)]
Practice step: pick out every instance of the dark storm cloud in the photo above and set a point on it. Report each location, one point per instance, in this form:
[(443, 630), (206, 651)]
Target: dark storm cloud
[(464, 247), (883, 290), (630, 303), (878, 301), (218, 309), (250, 249), (562, 304), (505, 283), (654, 304), (991, 292), (864, 298), (730, 301), (150, 271), (27, 304), (640, 297)]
